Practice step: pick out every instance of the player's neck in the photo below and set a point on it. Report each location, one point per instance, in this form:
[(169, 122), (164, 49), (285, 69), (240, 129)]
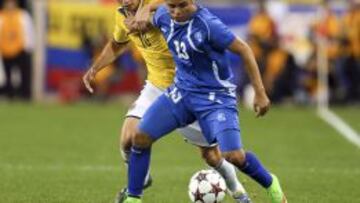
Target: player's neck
[(194, 9), (190, 15)]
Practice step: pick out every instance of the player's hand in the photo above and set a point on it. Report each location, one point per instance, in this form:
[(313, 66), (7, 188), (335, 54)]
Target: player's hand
[(142, 18), (261, 103), (131, 25), (88, 78)]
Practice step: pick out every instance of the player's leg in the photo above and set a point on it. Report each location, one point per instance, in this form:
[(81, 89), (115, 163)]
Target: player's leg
[(214, 159), (147, 96), (249, 164), (26, 74), (127, 133), (137, 110), (212, 156), (8, 69), (223, 126), (159, 120)]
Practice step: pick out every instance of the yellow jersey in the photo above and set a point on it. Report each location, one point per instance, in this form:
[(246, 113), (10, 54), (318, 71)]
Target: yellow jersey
[(352, 32), (12, 39), (262, 26), (153, 48)]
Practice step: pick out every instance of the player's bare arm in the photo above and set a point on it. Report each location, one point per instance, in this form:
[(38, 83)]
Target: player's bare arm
[(108, 55), (144, 14), (261, 100)]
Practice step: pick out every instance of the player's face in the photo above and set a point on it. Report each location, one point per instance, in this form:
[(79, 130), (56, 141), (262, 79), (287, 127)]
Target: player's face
[(132, 5), (181, 10)]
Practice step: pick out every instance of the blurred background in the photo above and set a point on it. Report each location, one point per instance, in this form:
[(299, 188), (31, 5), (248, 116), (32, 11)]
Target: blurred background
[(58, 143), (292, 40)]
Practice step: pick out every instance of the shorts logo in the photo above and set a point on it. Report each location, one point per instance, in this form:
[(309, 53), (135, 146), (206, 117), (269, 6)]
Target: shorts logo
[(175, 95), (221, 117)]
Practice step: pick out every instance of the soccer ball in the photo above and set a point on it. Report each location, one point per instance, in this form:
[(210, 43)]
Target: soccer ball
[(207, 186)]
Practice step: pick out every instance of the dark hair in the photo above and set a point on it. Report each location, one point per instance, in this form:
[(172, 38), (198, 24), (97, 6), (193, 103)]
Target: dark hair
[(21, 3)]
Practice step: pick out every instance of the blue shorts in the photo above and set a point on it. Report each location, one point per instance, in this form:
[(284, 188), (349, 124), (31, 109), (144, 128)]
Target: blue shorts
[(216, 113)]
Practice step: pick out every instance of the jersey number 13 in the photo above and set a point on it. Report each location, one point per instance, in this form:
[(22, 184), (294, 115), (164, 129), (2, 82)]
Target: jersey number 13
[(181, 50)]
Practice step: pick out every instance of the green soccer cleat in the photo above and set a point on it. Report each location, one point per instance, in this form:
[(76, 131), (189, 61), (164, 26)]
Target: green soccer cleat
[(275, 192), (132, 200), (123, 197)]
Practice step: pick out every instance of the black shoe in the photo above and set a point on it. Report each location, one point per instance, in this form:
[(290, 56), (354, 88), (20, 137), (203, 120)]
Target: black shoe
[(121, 196), (148, 183)]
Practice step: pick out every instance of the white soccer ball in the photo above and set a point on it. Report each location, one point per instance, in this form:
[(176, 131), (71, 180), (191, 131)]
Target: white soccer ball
[(207, 186)]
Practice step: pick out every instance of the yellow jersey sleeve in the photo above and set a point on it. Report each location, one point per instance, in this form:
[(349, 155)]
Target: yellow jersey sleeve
[(154, 50), (120, 34)]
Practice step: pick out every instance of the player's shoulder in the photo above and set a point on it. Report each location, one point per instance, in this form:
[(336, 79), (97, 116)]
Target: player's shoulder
[(205, 17), (204, 20), (162, 11), (162, 15)]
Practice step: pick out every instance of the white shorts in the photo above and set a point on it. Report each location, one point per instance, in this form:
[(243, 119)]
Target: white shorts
[(148, 95)]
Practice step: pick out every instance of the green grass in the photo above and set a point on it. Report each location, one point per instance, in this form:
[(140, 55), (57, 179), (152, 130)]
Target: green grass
[(69, 154), (351, 115)]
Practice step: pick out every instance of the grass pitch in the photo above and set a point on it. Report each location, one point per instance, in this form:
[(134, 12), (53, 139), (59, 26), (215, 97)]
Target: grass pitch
[(69, 154)]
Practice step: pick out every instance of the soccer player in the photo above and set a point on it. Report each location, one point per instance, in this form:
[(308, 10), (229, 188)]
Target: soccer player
[(202, 91), (161, 70)]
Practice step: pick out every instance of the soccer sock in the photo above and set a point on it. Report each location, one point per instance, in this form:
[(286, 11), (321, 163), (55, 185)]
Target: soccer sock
[(125, 155), (227, 171), (256, 171), (138, 168)]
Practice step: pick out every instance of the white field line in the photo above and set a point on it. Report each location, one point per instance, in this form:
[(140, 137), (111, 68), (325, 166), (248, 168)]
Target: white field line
[(340, 125), (6, 167), (55, 167), (109, 168)]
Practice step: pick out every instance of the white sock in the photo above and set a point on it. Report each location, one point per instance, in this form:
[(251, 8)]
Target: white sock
[(228, 172)]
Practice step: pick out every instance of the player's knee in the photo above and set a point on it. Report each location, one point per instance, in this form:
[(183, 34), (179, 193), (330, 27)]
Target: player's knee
[(141, 140), (236, 157), (127, 132), (125, 141), (212, 156)]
